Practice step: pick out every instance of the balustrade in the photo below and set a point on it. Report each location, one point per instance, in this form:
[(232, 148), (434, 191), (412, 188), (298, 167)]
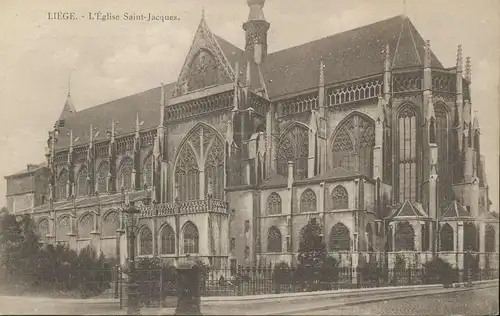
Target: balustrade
[(200, 106), (184, 207)]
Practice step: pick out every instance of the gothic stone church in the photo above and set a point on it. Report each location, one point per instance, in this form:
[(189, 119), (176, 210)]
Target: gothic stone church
[(363, 134)]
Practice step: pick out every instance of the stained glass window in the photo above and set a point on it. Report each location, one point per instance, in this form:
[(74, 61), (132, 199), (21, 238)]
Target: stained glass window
[(308, 201), (407, 155), (102, 177), (340, 198), (353, 145), (191, 238), (446, 238), (145, 242), (147, 172), (442, 142), (110, 224), (85, 226), (273, 204), (167, 240), (340, 238), (125, 174), (294, 146), (82, 183), (274, 240), (61, 185), (405, 237), (490, 238)]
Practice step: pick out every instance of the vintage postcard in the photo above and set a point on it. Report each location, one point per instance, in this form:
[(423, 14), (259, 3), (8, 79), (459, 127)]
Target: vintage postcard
[(249, 157)]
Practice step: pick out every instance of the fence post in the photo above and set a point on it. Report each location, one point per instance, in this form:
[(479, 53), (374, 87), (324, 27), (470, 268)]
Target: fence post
[(358, 278), (410, 281), (162, 299)]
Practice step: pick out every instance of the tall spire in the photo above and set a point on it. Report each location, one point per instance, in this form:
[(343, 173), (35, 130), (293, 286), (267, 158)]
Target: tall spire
[(256, 29)]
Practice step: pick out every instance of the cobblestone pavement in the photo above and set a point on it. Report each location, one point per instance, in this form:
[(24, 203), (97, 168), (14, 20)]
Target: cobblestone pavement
[(474, 302)]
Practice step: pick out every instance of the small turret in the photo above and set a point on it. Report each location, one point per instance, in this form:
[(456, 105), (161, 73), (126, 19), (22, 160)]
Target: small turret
[(256, 31)]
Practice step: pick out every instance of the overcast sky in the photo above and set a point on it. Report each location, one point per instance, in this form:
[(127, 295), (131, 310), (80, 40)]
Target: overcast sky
[(113, 59)]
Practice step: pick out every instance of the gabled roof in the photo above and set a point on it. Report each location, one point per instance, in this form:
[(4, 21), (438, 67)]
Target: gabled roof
[(336, 173), (409, 209), (28, 169), (454, 210), (348, 55)]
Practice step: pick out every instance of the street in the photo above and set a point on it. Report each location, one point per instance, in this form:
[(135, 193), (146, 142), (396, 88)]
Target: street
[(475, 302)]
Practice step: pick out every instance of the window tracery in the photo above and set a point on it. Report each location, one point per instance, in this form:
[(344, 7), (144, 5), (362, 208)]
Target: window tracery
[(187, 174), (125, 174), (102, 177), (43, 229), (353, 145), (214, 169), (147, 172), (407, 154), (203, 71), (294, 146), (274, 204), (85, 226), (340, 238), (167, 240), (146, 242), (61, 184), (308, 201), (191, 238), (490, 239), (274, 240), (63, 230), (340, 198), (82, 183), (442, 141), (110, 224)]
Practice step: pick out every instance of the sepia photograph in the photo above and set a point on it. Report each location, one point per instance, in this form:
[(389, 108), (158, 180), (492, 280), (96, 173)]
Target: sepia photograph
[(249, 157)]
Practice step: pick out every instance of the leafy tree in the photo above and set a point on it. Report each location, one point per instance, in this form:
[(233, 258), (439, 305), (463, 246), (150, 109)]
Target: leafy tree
[(437, 271)]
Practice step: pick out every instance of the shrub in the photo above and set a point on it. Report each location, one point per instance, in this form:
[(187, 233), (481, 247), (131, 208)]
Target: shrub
[(437, 271)]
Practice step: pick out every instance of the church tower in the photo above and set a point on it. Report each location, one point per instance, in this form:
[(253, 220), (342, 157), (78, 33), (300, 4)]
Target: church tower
[(256, 32)]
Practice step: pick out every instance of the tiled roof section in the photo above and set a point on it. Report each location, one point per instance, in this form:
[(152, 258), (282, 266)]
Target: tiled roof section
[(28, 170), (410, 209), (124, 110), (337, 173), (352, 54), (275, 180), (455, 209)]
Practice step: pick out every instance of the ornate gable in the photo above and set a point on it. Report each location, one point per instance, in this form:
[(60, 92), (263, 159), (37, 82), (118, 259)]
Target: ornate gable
[(205, 65)]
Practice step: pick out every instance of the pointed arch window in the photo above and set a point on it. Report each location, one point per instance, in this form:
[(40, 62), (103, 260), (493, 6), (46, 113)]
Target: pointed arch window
[(147, 172), (308, 201), (407, 154), (274, 204), (340, 198), (110, 224), (214, 169), (470, 237), (63, 229), (490, 239), (294, 146), (353, 145), (167, 240), (274, 240), (191, 238), (369, 237), (82, 183), (446, 238), (85, 226), (145, 242), (43, 229), (102, 177), (187, 174), (405, 237), (62, 181), (441, 128), (340, 238), (125, 174)]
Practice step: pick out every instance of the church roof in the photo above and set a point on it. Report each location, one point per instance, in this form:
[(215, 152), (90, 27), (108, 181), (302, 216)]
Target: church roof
[(454, 210), (348, 55), (335, 174), (409, 209)]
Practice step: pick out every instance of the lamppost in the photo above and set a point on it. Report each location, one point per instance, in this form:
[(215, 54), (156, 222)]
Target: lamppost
[(132, 216)]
